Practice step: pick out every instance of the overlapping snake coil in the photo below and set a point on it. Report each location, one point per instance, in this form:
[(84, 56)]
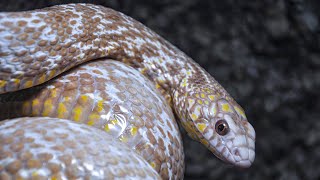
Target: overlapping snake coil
[(121, 84)]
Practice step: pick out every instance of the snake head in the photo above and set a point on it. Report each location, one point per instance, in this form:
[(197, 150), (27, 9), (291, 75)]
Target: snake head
[(218, 122)]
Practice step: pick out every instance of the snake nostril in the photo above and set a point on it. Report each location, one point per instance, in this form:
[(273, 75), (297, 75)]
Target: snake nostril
[(236, 152)]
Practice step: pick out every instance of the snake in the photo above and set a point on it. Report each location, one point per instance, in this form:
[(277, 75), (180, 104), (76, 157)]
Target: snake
[(113, 97), (45, 52)]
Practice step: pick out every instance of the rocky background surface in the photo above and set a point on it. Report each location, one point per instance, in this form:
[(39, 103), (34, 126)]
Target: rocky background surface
[(265, 53)]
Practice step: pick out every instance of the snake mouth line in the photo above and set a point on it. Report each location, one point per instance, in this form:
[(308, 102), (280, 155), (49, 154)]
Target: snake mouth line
[(244, 164)]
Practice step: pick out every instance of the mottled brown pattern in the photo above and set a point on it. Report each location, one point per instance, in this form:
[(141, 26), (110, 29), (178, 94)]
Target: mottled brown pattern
[(104, 91), (39, 45), (80, 159), (84, 33)]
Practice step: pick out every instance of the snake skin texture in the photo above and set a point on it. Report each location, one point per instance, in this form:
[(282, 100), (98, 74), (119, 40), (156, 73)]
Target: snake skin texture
[(49, 148), (36, 46), (113, 97)]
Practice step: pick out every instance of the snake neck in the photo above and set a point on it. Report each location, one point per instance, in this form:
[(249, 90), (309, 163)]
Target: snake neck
[(194, 96)]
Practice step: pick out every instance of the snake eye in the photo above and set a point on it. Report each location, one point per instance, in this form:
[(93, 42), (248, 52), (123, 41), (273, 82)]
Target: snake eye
[(222, 127)]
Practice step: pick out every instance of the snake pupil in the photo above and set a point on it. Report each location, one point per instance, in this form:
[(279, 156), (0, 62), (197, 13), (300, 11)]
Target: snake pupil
[(222, 127)]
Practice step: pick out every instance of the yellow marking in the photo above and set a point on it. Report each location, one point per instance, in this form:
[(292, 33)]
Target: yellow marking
[(2, 83), (198, 109), (184, 82), (201, 127), (214, 110), (61, 110), (187, 127), (240, 111), (83, 98), (114, 121), (199, 101), (153, 164), (25, 106), (188, 72), (202, 95), (47, 107), (208, 90), (42, 78), (34, 174), (197, 96), (146, 145), (211, 97), (28, 84), (16, 81), (107, 128), (77, 113), (54, 93), (191, 131), (93, 118), (157, 86), (144, 71), (206, 102), (35, 102), (90, 122), (194, 116), (35, 107), (67, 99), (193, 136), (100, 105), (52, 73), (225, 107), (191, 102), (123, 139), (204, 142), (134, 130), (54, 178)]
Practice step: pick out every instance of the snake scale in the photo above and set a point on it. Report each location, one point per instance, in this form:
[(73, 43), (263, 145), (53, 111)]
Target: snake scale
[(55, 63)]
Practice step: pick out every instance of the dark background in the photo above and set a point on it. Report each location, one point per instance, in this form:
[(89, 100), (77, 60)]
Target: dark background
[(265, 53)]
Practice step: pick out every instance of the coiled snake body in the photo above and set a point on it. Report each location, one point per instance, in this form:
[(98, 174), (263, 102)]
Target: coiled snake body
[(36, 46)]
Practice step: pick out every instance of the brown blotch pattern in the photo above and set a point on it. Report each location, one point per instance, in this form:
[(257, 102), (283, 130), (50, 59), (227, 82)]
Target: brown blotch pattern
[(38, 45), (110, 100), (79, 160)]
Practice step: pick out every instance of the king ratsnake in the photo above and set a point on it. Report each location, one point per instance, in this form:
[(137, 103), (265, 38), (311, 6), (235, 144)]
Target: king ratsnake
[(73, 41)]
